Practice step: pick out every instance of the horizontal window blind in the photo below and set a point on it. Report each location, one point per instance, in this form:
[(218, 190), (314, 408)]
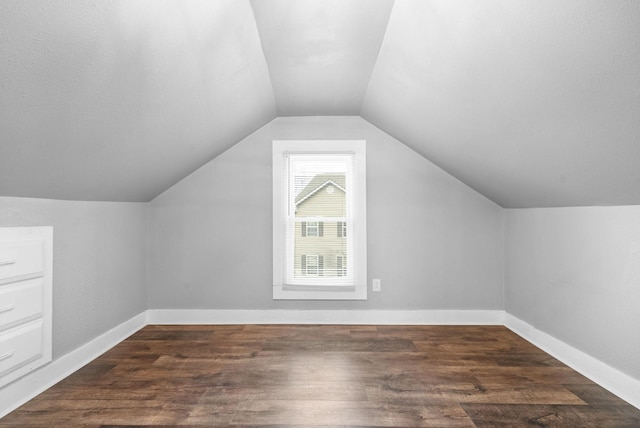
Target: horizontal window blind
[(318, 250)]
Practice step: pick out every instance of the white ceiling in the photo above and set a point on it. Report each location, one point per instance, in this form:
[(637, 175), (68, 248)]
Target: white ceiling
[(532, 103), (118, 100), (321, 52)]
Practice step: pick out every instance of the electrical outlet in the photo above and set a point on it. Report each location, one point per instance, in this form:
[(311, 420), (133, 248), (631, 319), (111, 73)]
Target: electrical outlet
[(376, 285)]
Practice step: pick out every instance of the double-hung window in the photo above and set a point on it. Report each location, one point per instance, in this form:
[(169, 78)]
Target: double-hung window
[(319, 220)]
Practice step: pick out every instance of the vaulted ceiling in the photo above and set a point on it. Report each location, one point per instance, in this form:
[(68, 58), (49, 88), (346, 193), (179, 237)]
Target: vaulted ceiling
[(532, 103)]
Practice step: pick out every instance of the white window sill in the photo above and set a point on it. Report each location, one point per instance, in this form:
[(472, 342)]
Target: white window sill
[(288, 292)]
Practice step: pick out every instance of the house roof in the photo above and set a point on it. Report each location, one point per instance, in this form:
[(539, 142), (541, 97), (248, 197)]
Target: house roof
[(319, 182), (532, 103)]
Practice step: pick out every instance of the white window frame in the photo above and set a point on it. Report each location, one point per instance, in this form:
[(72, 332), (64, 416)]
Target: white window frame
[(355, 291)]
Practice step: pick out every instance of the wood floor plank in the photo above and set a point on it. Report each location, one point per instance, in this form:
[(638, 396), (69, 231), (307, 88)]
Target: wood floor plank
[(552, 416), (528, 375), (275, 412), (325, 375), (594, 394), (508, 394), (344, 345), (524, 359)]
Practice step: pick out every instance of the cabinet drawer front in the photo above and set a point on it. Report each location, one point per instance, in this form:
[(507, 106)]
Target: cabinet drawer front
[(20, 346), (21, 301), (21, 258)]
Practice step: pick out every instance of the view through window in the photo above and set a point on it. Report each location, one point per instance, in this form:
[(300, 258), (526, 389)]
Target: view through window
[(319, 217)]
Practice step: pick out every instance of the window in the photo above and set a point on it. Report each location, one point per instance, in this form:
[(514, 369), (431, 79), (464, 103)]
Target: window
[(342, 229), (319, 220), (312, 228), (312, 265), (341, 266)]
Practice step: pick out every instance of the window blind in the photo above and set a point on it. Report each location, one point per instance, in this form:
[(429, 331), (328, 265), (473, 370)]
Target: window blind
[(318, 249)]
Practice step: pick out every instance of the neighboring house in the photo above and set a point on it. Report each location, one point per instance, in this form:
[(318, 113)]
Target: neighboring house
[(320, 246)]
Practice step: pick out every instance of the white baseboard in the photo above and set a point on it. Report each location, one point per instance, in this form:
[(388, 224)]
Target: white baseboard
[(375, 317), (620, 384), (24, 389)]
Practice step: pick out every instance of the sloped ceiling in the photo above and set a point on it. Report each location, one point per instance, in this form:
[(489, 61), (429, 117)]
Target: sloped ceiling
[(321, 52), (532, 103), (118, 100)]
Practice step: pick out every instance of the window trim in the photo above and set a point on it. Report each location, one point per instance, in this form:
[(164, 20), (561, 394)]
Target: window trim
[(282, 291)]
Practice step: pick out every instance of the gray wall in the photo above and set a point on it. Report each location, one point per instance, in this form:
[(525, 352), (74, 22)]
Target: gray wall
[(433, 241), (99, 263), (574, 273)]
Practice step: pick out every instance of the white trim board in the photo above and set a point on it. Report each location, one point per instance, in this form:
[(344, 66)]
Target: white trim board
[(373, 317), (611, 379), (24, 389), (19, 392)]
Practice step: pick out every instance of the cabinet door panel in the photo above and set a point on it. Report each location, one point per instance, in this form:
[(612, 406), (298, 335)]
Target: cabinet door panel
[(18, 259), (20, 301), (20, 346)]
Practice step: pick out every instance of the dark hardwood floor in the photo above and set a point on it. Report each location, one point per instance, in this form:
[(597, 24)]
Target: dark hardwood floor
[(258, 375)]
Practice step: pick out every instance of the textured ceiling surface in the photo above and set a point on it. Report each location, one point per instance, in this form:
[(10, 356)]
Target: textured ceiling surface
[(321, 53), (119, 100), (532, 103)]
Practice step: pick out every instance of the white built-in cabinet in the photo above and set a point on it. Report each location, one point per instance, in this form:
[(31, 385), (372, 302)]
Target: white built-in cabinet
[(26, 255)]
